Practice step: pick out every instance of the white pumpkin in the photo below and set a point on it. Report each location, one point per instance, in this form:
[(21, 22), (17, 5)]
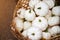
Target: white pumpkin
[(29, 15), (20, 13), (46, 35), (53, 20), (40, 22), (56, 10), (41, 8), (27, 25), (34, 33), (54, 30), (50, 3), (18, 24), (32, 3)]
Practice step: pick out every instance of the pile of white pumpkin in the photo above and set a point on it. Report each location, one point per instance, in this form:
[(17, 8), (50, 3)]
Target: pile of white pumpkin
[(41, 20)]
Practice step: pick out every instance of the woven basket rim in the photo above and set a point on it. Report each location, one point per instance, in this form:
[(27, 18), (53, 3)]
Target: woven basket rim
[(14, 31)]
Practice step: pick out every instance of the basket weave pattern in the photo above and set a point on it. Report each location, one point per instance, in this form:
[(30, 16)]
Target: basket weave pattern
[(18, 35)]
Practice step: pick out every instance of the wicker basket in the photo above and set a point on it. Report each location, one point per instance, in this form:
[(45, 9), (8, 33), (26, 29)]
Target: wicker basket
[(18, 35)]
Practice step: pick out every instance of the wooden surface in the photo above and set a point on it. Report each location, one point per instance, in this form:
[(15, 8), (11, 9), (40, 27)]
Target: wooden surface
[(6, 11)]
